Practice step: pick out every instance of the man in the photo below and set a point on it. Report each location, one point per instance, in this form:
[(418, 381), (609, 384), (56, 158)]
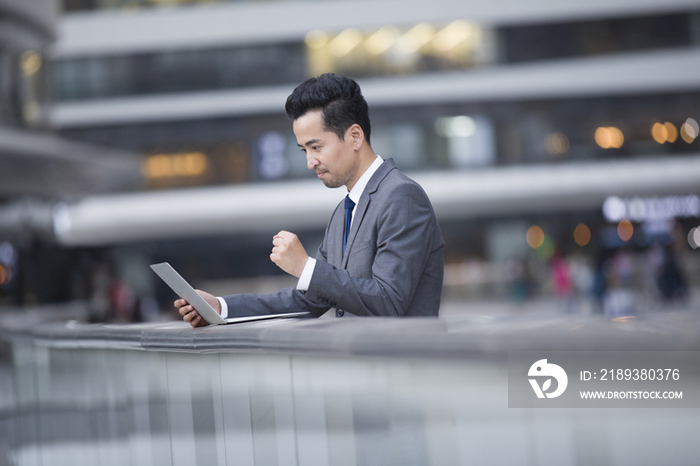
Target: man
[(382, 254)]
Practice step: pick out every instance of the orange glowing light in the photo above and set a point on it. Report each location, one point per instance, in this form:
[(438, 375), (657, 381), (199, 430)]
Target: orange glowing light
[(175, 165), (534, 237), (609, 137), (3, 275), (582, 234), (625, 230), (672, 132), (659, 132)]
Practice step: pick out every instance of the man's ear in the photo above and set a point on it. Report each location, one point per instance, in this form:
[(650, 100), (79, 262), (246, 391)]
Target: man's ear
[(357, 136)]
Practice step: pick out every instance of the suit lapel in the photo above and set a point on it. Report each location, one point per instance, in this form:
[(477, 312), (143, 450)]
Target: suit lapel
[(362, 206)]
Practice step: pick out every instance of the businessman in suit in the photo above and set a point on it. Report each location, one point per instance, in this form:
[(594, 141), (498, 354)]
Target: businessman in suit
[(382, 254)]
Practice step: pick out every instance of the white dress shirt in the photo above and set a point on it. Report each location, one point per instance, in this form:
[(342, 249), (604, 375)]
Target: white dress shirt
[(355, 194)]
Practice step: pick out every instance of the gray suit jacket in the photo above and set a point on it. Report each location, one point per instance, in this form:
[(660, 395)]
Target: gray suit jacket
[(393, 264)]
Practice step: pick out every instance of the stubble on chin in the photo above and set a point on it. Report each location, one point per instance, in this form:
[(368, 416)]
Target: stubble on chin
[(334, 181)]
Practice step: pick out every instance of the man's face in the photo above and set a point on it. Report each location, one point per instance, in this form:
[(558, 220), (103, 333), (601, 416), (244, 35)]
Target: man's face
[(335, 161)]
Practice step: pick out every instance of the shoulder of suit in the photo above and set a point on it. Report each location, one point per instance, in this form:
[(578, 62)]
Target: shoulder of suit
[(388, 172), (397, 177), (397, 184)]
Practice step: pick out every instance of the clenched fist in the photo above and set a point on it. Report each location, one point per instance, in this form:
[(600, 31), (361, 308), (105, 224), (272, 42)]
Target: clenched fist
[(288, 253)]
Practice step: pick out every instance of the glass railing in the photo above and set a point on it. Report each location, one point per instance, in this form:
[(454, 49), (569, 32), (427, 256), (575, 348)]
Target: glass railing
[(319, 392)]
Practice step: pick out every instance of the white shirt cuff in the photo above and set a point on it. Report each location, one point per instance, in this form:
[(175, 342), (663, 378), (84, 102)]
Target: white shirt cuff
[(305, 279), (224, 307)]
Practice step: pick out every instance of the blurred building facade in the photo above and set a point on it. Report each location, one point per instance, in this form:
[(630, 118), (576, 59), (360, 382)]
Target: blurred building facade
[(37, 165), (522, 121), (36, 162)]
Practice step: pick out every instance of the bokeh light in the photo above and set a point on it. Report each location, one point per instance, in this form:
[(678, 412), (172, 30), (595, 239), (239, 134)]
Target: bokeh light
[(582, 234), (694, 237), (663, 133), (659, 133), (625, 230), (453, 34), (672, 132), (534, 237), (609, 137), (460, 126), (316, 39), (175, 165), (689, 130), (30, 63), (417, 37), (380, 41), (556, 143), (344, 42)]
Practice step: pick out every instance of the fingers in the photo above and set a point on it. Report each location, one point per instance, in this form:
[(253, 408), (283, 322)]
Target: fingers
[(184, 310), (283, 237), (282, 241), (279, 242), (191, 316), (188, 313), (197, 321), (194, 319)]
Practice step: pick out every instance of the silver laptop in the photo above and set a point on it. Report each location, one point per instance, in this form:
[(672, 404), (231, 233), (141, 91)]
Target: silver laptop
[(184, 290)]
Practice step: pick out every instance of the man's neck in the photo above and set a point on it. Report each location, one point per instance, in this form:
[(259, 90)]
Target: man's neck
[(367, 158)]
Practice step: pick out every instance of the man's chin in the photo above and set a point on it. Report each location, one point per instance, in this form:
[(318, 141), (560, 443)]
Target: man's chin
[(331, 184)]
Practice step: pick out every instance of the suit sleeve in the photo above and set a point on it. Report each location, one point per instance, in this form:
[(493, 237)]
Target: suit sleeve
[(404, 231), (284, 301)]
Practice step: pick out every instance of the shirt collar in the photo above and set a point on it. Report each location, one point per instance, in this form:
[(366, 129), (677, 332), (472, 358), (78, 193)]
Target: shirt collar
[(361, 184)]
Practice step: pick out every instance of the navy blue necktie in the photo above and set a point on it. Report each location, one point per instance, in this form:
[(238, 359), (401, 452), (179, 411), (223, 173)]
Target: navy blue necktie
[(349, 205)]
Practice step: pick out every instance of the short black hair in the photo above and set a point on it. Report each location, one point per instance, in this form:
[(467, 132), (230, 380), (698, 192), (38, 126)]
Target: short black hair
[(339, 98)]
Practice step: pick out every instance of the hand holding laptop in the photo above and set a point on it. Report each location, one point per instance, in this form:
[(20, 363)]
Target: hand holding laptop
[(199, 308), (189, 313)]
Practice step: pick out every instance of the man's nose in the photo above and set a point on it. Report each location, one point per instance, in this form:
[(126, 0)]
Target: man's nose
[(311, 162)]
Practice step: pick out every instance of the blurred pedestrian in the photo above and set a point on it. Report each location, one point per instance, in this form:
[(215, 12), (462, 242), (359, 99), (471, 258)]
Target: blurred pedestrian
[(599, 287), (561, 281), (672, 284)]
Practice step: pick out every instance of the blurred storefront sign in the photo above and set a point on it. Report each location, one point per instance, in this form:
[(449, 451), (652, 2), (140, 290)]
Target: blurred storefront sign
[(640, 209)]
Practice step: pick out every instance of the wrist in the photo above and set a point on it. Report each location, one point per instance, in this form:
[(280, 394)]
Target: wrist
[(300, 268)]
